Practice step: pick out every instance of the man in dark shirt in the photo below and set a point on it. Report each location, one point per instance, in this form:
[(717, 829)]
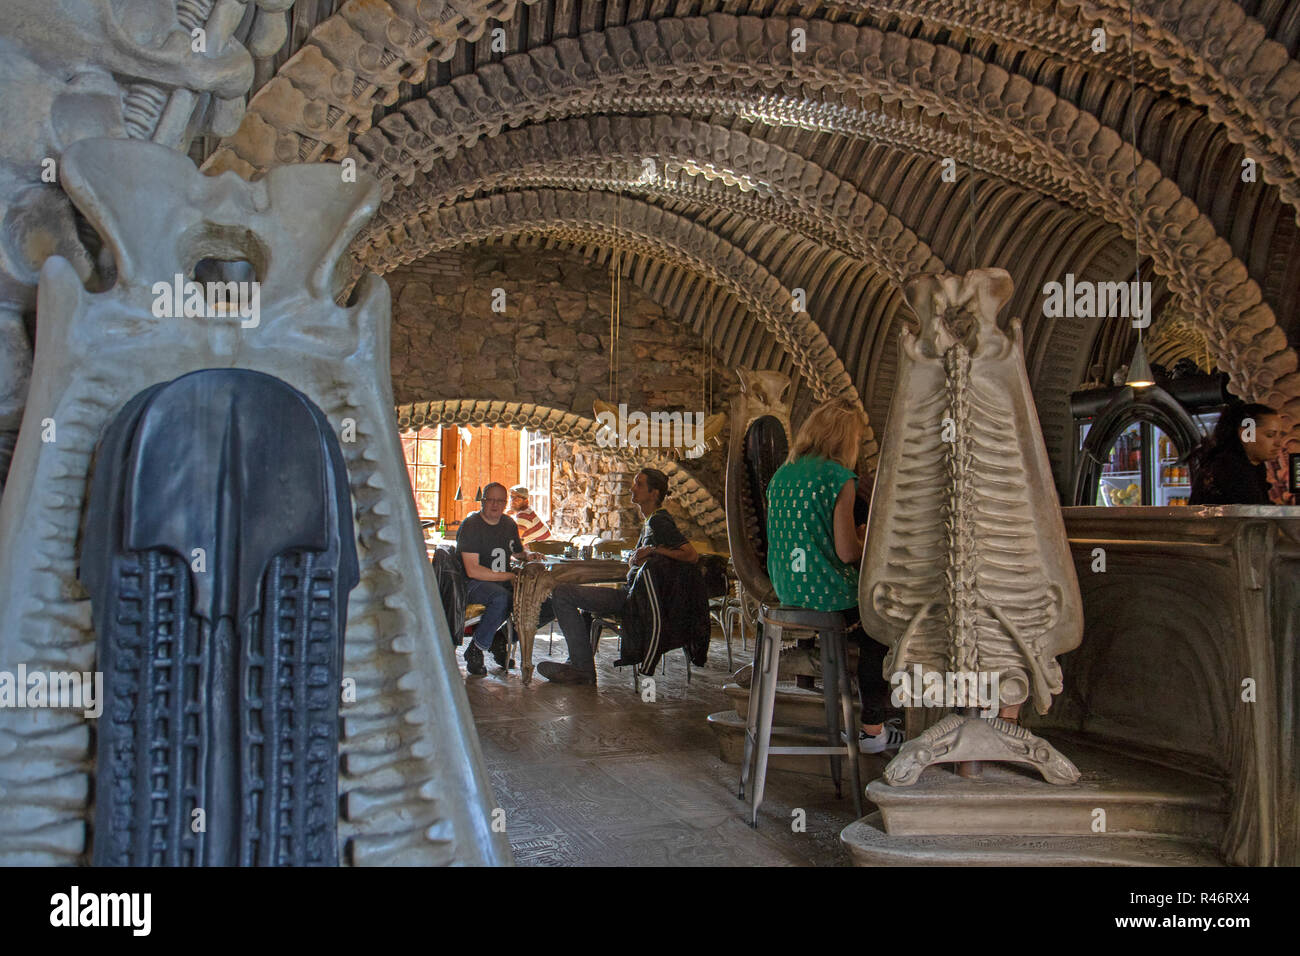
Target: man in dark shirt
[(659, 535), (485, 543)]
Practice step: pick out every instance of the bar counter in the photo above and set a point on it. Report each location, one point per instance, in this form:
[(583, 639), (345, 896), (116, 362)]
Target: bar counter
[(1189, 655)]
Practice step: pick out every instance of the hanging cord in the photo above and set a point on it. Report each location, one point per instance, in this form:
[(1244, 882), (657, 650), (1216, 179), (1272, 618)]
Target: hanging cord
[(610, 396), (615, 301), (708, 358), (618, 297), (703, 368), (610, 390), (514, 357), (1132, 119), (971, 177)]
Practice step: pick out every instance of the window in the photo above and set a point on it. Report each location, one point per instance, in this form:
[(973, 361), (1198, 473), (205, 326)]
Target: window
[(535, 470), (423, 453)]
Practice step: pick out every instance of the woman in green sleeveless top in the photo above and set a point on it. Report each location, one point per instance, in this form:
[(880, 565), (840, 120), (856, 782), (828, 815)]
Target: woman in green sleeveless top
[(813, 547)]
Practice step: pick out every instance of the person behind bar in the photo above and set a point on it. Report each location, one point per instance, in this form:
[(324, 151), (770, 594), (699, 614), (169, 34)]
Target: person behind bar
[(814, 546), (1230, 467), (659, 535)]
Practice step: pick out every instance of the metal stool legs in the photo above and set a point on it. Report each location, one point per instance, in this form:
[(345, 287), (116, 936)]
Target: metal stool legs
[(728, 625), (834, 669), (850, 721), (837, 695), (830, 674), (766, 706), (751, 718)]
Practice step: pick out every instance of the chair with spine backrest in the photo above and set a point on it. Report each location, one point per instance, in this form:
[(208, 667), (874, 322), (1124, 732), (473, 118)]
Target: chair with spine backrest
[(716, 569), (724, 597), (759, 442), (581, 541)]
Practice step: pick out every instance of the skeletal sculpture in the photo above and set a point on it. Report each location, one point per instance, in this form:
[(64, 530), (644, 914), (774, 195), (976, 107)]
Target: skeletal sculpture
[(759, 440), (967, 567), (412, 786), (157, 70)]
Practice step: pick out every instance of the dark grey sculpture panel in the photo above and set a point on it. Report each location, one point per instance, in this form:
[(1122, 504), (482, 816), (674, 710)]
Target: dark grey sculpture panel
[(412, 788), (219, 554)]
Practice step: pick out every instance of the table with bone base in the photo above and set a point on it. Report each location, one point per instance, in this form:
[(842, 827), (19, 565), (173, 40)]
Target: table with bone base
[(534, 583)]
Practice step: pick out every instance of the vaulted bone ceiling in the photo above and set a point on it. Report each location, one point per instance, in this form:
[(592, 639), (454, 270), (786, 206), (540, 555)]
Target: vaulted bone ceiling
[(821, 170)]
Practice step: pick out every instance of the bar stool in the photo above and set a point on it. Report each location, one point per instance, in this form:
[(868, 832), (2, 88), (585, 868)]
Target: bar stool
[(828, 627)]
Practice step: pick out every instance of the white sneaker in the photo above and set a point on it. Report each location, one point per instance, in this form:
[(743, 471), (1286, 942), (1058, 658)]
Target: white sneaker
[(889, 738)]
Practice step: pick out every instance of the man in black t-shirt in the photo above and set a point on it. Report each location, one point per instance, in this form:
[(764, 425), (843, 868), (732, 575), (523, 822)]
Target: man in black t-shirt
[(485, 543), (659, 535)]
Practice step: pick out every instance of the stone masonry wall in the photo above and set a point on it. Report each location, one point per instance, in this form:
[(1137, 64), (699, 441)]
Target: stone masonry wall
[(590, 493), (550, 345)]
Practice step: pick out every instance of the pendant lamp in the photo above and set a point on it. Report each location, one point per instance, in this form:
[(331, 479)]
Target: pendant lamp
[(1139, 369)]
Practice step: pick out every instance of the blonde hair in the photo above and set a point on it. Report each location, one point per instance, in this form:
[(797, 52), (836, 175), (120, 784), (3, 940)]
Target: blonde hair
[(833, 431)]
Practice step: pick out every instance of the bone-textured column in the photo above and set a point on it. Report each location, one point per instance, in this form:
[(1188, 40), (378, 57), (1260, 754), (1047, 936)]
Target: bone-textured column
[(412, 782)]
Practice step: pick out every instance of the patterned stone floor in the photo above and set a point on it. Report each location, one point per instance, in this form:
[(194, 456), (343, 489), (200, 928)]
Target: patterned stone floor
[(596, 776)]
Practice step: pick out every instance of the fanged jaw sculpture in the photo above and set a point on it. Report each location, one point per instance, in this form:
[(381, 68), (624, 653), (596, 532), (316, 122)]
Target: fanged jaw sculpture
[(412, 785), (967, 566), (164, 71)]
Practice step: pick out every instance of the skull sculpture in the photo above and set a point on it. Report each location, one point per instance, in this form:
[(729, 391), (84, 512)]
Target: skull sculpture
[(158, 70)]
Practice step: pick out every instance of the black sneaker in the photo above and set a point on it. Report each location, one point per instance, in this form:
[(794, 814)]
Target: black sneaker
[(500, 652), (474, 659), (558, 673)]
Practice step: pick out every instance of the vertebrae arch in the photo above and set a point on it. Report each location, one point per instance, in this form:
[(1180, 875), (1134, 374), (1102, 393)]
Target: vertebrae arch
[(766, 182), (1085, 161), (360, 57)]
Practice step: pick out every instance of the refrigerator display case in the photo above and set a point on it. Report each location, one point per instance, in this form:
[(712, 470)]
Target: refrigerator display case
[(1143, 466), (1132, 444)]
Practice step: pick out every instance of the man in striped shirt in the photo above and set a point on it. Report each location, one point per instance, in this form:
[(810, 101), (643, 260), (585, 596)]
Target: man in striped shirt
[(531, 527)]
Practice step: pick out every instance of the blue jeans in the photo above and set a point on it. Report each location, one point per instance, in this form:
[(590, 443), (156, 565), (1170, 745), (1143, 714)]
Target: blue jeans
[(570, 600), (496, 599)]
